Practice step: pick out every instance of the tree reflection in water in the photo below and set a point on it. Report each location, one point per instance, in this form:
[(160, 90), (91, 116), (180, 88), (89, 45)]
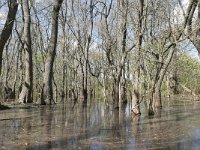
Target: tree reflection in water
[(68, 126)]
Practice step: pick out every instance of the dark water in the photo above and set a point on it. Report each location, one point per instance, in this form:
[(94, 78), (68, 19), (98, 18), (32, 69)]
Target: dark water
[(177, 126)]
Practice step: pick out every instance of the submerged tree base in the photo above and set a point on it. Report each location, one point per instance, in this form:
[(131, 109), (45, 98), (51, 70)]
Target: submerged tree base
[(135, 111)]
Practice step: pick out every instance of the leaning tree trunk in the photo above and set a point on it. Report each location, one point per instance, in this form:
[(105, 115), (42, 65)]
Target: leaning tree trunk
[(196, 35), (157, 95), (187, 24), (157, 103), (47, 92), (26, 94), (7, 30)]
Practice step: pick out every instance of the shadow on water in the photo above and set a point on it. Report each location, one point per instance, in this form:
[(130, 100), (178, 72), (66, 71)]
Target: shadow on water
[(95, 127)]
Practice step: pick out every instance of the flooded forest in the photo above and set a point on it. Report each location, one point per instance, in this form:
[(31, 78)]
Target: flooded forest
[(100, 74)]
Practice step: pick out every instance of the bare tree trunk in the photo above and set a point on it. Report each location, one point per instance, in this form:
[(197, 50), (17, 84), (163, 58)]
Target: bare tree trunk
[(175, 75), (137, 85), (116, 93), (26, 94), (64, 90), (168, 91), (122, 83), (196, 36), (7, 30), (157, 92), (136, 94), (105, 89), (47, 95), (123, 93), (155, 100)]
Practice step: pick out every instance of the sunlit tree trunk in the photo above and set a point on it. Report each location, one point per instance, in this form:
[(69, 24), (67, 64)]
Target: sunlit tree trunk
[(195, 37), (157, 92), (157, 103), (26, 94), (47, 92), (7, 30), (163, 64)]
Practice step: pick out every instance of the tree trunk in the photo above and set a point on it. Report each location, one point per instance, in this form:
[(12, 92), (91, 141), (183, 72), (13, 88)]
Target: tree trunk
[(137, 86), (157, 92), (47, 97), (175, 76), (83, 94), (7, 30), (157, 98), (168, 90), (122, 82), (116, 94), (105, 89), (26, 94), (196, 37), (136, 99)]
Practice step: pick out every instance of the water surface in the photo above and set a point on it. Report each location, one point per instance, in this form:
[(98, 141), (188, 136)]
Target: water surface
[(94, 127)]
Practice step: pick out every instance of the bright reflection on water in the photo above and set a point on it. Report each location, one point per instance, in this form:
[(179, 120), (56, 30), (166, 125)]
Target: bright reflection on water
[(96, 128)]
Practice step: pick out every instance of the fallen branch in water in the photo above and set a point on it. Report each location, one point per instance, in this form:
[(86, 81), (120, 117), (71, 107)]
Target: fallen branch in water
[(188, 90)]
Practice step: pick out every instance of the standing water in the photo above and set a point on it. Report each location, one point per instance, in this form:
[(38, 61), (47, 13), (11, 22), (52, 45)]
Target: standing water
[(94, 127)]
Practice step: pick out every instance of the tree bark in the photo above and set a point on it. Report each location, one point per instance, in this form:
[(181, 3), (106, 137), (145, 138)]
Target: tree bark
[(137, 85), (105, 89), (116, 93), (47, 92), (157, 92), (122, 90), (26, 94), (7, 30), (122, 83), (195, 38)]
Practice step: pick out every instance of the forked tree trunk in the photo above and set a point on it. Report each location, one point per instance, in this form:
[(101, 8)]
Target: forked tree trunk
[(26, 94), (157, 92), (7, 30), (186, 24), (47, 95)]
